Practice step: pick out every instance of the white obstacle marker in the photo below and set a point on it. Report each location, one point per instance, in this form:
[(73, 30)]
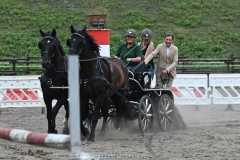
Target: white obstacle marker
[(73, 82)]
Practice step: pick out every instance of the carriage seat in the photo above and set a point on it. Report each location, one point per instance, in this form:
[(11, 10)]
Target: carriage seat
[(139, 68), (144, 78)]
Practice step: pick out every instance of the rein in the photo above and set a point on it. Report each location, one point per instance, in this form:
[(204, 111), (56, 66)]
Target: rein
[(84, 60), (64, 67)]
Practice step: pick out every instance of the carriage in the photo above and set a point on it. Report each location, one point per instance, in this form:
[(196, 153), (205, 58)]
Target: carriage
[(149, 105)]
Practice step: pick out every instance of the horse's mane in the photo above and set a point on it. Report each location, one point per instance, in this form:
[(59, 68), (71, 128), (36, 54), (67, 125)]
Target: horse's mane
[(92, 43), (60, 47)]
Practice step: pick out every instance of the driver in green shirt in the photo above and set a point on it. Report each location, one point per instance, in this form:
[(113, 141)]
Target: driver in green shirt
[(129, 52)]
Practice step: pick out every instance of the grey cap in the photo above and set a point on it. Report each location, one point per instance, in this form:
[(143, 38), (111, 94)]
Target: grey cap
[(146, 34), (131, 32)]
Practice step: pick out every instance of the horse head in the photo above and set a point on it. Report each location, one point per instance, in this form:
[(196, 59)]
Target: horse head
[(81, 42), (77, 41), (48, 46)]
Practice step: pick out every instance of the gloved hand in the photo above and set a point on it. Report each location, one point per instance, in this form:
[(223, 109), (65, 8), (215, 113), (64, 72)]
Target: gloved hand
[(129, 59)]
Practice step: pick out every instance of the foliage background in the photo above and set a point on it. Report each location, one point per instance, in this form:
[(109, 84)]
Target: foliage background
[(202, 28)]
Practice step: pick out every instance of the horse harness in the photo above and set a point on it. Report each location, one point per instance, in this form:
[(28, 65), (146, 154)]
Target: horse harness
[(53, 80), (99, 78), (59, 77)]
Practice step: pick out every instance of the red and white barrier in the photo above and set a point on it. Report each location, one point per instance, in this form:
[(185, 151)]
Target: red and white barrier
[(102, 37), (20, 91), (190, 89), (35, 138), (225, 89)]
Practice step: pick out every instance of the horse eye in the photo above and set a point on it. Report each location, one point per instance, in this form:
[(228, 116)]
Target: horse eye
[(54, 45), (40, 45)]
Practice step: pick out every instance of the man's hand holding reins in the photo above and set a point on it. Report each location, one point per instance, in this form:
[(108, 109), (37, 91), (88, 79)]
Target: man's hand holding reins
[(164, 71), (129, 59)]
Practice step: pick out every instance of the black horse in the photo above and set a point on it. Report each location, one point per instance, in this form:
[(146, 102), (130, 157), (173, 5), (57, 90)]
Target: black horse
[(100, 78), (55, 64)]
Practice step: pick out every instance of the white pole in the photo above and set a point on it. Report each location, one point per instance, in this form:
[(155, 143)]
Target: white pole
[(74, 105)]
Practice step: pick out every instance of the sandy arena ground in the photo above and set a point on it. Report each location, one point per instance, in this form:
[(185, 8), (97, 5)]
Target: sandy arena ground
[(212, 133)]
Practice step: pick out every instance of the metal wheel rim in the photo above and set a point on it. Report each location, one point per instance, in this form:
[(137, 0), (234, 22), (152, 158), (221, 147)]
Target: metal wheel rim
[(164, 111), (87, 124), (110, 122), (111, 119), (146, 115)]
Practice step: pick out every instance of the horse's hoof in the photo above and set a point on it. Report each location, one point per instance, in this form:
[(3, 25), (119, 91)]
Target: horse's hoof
[(65, 130), (83, 138), (116, 126), (90, 140), (102, 133), (86, 132), (55, 132)]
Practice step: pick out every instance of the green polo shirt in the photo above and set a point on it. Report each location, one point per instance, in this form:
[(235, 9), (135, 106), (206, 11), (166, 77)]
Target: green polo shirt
[(132, 52)]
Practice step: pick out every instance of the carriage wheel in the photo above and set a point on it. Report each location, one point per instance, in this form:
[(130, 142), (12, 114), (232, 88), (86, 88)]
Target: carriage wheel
[(88, 124), (165, 110), (145, 114), (112, 118), (111, 122)]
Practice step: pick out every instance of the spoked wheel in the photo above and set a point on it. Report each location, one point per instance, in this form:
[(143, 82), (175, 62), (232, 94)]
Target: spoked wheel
[(112, 118), (111, 122), (165, 112), (88, 123), (145, 114)]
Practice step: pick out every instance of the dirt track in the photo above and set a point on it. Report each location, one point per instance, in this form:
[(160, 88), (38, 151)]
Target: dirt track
[(212, 133)]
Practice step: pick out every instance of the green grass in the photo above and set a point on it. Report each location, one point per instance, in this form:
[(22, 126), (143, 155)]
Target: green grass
[(202, 28)]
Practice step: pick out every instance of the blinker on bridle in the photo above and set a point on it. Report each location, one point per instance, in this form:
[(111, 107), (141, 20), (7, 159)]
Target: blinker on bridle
[(84, 42)]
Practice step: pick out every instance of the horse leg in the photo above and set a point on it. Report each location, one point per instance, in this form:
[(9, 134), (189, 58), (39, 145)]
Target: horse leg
[(55, 110), (65, 121), (84, 116), (118, 101), (97, 104), (105, 117), (48, 104)]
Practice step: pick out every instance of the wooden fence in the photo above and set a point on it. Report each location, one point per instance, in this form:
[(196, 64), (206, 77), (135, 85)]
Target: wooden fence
[(20, 66), (205, 65), (32, 65)]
